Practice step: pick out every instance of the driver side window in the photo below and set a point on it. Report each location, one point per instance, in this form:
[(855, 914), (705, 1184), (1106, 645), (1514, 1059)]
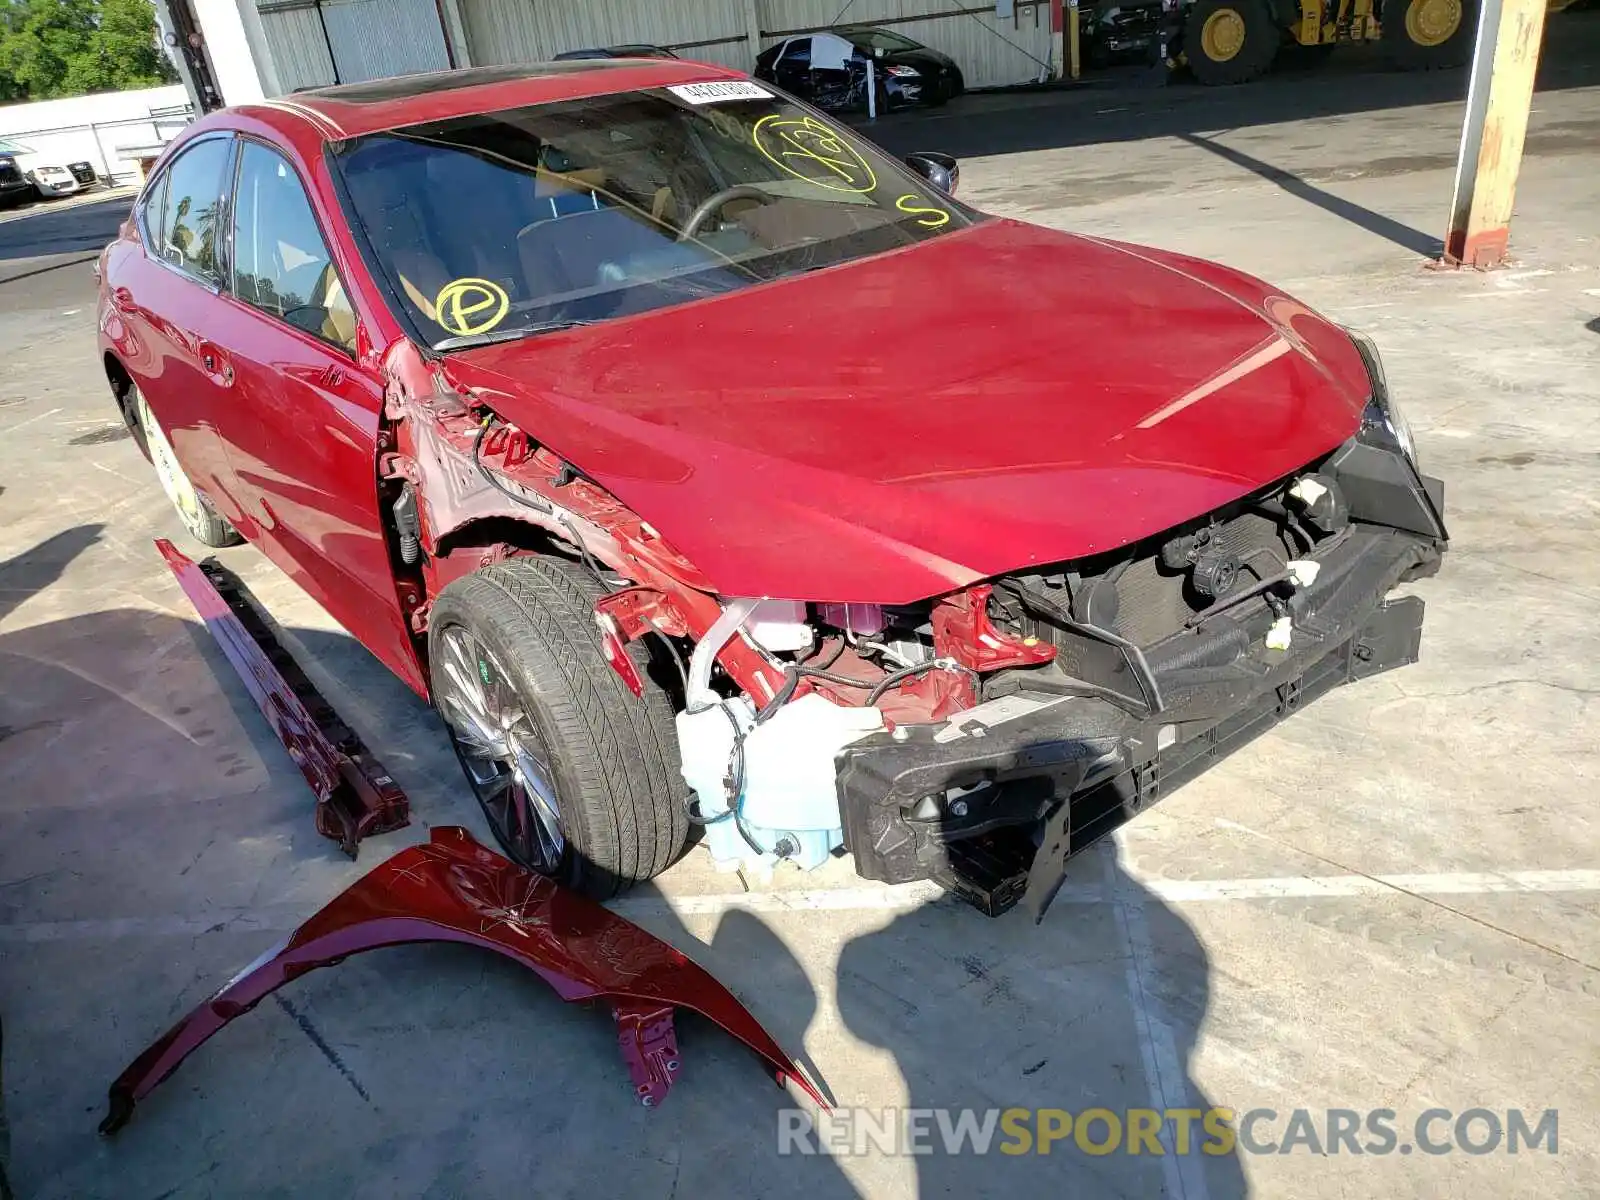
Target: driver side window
[(280, 263)]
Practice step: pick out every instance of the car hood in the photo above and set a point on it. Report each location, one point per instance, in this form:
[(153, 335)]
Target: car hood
[(893, 428), (922, 58)]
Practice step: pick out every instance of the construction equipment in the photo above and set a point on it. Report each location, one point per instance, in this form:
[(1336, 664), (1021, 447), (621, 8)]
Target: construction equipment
[(1234, 41)]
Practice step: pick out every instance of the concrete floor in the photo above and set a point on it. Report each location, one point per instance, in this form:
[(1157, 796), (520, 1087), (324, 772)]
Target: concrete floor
[(1390, 902)]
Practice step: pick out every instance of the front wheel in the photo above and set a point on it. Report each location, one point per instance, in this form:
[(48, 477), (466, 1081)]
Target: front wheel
[(579, 779)]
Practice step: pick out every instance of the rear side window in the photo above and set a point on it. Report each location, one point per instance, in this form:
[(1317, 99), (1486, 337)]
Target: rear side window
[(191, 209), (155, 202), (799, 53), (280, 263)]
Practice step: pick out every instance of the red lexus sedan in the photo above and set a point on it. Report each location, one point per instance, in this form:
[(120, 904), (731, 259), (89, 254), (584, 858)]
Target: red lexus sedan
[(701, 465)]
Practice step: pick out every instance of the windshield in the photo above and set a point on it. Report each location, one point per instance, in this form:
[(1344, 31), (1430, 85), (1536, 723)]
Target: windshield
[(879, 39), (590, 209), (7, 146)]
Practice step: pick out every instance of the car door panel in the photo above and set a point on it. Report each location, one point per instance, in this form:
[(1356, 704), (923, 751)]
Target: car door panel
[(794, 67), (168, 310), (303, 439)]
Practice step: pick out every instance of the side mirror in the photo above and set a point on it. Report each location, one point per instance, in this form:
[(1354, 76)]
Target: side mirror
[(941, 170)]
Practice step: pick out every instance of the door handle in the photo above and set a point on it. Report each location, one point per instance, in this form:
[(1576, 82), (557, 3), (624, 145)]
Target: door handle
[(216, 365)]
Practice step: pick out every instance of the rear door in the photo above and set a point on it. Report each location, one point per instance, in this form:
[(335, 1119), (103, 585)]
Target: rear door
[(302, 436), (168, 298)]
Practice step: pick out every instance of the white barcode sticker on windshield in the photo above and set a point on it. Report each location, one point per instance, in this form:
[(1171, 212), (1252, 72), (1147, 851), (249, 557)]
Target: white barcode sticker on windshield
[(715, 93)]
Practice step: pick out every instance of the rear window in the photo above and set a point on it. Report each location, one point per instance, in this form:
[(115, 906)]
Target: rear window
[(591, 209)]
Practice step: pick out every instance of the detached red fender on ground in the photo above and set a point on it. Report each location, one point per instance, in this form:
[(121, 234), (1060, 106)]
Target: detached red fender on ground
[(452, 889)]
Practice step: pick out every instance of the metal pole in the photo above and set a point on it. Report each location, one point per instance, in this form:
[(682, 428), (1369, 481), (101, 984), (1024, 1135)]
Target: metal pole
[(444, 32), (333, 59), (872, 89), (1074, 49), (1499, 98), (105, 159)]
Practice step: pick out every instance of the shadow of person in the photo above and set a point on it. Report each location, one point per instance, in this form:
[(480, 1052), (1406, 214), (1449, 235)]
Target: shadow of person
[(1093, 1013), (161, 838), (36, 568)]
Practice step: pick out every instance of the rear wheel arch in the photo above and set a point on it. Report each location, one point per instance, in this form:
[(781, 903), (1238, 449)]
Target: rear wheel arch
[(121, 385)]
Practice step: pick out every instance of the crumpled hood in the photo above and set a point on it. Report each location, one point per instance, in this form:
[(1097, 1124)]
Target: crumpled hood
[(894, 428)]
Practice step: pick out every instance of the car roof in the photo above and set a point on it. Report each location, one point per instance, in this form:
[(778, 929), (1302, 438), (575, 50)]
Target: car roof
[(352, 109)]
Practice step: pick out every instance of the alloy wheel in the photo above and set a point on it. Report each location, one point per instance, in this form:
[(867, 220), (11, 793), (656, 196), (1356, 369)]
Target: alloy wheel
[(506, 759), (173, 481)]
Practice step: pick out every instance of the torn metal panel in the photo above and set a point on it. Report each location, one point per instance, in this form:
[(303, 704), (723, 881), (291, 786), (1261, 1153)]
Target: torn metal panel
[(451, 889), (356, 797)]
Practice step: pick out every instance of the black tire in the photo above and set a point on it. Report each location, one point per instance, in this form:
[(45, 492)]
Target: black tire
[(1410, 27), (1259, 46), (203, 522), (613, 758)]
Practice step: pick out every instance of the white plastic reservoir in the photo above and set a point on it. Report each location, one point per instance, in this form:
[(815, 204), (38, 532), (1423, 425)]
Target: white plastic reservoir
[(790, 798)]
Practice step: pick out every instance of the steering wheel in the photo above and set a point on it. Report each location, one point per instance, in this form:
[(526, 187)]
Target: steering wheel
[(713, 203)]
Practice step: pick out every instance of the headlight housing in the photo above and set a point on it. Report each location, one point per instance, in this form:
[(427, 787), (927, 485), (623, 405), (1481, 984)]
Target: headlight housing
[(1383, 418)]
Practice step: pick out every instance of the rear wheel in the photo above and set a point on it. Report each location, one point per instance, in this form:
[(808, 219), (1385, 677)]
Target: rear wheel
[(199, 518), (1230, 41), (1424, 35), (579, 779)]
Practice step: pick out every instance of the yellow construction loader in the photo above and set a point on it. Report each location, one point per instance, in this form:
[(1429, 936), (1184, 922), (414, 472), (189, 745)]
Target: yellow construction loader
[(1232, 41)]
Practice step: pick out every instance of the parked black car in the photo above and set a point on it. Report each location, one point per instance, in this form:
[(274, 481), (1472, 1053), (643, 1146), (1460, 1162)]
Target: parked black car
[(830, 69), (641, 50), (1122, 33)]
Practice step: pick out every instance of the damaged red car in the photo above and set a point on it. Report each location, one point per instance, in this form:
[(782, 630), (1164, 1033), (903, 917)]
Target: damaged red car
[(698, 462)]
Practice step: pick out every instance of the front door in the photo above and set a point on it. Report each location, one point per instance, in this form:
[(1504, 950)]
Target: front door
[(303, 438)]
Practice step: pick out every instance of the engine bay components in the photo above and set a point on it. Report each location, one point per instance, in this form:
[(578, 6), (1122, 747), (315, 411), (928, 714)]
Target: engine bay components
[(451, 889), (766, 789)]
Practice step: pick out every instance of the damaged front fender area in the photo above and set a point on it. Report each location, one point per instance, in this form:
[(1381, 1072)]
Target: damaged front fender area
[(451, 889)]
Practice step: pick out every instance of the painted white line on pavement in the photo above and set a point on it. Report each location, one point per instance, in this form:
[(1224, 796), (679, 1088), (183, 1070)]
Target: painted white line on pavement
[(1165, 1072), (886, 899)]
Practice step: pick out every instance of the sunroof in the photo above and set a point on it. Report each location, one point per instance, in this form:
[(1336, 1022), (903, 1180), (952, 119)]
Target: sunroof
[(402, 87)]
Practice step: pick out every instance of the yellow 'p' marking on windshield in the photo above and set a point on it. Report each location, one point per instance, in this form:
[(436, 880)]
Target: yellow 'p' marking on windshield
[(468, 306), (809, 150)]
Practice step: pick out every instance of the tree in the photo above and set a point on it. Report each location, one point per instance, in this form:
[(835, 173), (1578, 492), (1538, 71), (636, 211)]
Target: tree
[(51, 48)]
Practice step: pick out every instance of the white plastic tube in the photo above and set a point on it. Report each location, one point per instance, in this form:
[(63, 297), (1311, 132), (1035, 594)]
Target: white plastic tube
[(724, 627)]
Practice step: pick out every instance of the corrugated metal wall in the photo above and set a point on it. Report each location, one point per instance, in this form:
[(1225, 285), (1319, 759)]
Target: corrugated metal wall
[(371, 39), (299, 53), (991, 51), (375, 38), (509, 31)]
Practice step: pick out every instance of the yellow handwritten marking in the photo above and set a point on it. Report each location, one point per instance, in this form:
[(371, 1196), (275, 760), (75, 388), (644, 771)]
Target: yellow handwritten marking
[(809, 150), (932, 218), (467, 306)]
